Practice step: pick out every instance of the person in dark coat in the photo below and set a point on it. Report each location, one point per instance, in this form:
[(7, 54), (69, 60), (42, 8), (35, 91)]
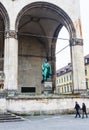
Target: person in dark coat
[(84, 110), (77, 108)]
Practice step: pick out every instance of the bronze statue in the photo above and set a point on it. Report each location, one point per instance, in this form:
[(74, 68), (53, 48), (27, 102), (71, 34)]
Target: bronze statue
[(46, 71)]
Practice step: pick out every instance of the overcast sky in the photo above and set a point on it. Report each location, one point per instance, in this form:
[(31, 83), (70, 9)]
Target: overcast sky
[(63, 57), (84, 6)]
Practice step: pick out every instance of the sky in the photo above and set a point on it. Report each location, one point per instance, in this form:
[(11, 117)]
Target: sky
[(84, 8), (63, 56)]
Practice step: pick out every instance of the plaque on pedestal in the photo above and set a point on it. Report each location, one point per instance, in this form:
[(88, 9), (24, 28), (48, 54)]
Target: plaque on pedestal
[(47, 87)]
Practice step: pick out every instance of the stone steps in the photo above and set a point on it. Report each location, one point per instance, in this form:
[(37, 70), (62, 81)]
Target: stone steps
[(8, 117)]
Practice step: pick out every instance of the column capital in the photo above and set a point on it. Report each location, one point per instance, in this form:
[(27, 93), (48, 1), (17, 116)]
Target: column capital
[(11, 34), (76, 41)]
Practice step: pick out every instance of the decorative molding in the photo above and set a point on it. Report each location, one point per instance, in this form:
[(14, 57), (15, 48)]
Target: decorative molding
[(76, 41), (11, 34)]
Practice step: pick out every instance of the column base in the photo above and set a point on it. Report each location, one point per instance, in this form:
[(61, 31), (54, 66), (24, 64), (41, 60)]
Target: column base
[(80, 92), (10, 93)]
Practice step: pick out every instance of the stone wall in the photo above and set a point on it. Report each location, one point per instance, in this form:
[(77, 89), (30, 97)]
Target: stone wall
[(36, 105), (2, 105), (30, 60)]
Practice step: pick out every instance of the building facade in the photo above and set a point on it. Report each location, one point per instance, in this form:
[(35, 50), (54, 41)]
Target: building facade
[(86, 60), (28, 34), (64, 80)]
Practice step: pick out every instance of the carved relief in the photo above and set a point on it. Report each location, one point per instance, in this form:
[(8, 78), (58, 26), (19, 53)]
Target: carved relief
[(11, 34), (76, 41)]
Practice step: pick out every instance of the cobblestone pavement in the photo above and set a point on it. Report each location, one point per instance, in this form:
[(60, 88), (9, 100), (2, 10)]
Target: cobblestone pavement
[(56, 122)]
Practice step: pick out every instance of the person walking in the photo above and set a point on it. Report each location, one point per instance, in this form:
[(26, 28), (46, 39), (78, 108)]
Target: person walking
[(77, 108), (84, 110)]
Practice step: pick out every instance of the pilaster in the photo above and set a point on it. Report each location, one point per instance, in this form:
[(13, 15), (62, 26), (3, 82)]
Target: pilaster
[(78, 69), (11, 60)]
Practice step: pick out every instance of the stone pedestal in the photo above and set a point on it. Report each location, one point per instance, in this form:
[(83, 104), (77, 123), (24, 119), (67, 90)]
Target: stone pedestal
[(47, 87)]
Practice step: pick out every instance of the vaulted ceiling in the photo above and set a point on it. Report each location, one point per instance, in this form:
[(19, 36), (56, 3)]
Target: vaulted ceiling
[(40, 22)]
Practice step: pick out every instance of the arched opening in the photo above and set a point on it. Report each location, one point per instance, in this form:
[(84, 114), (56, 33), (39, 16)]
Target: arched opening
[(64, 84), (4, 27), (63, 55), (38, 26)]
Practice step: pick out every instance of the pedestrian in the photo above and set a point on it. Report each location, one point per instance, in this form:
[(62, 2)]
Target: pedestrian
[(84, 110), (77, 108)]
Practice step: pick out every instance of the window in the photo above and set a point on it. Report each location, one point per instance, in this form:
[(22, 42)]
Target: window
[(86, 83), (86, 71), (59, 80), (67, 77), (70, 77), (64, 79), (65, 89), (68, 88)]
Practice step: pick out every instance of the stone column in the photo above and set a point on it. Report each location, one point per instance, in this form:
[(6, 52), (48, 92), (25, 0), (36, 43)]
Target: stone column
[(78, 68), (11, 61), (53, 64)]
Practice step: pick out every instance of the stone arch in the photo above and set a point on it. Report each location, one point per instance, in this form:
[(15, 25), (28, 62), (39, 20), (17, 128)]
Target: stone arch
[(5, 17), (4, 27), (65, 21)]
